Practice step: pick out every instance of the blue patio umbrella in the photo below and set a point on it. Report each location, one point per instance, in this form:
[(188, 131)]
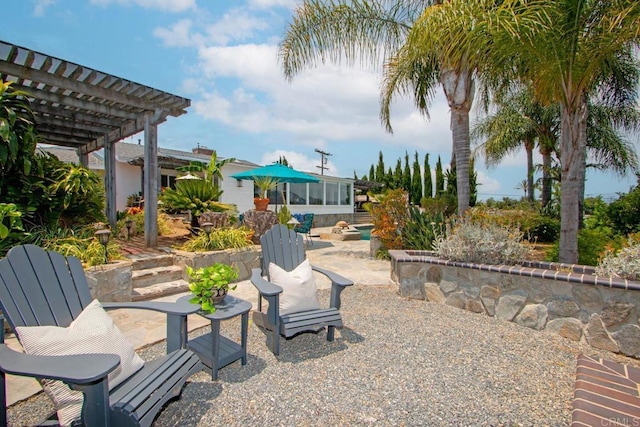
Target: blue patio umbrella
[(278, 171)]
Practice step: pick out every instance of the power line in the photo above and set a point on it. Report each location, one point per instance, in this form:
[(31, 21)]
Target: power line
[(323, 160)]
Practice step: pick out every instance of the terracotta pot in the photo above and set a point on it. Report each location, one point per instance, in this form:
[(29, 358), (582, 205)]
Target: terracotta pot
[(261, 203)]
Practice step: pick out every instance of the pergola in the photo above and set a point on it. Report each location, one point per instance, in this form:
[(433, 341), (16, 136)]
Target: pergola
[(77, 106)]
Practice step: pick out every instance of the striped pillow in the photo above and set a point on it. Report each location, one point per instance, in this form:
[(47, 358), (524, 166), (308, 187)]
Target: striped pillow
[(92, 332)]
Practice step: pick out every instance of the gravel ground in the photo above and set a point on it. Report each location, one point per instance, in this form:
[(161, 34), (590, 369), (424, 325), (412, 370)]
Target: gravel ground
[(397, 362)]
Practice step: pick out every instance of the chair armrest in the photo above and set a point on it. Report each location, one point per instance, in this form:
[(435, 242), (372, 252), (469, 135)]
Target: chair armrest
[(265, 287), (75, 369), (180, 307), (335, 278)]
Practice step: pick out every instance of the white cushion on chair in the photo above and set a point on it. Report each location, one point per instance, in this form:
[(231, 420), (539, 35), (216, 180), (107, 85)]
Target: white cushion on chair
[(93, 331), (299, 288)]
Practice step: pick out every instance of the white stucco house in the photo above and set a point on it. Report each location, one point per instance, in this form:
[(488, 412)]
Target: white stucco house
[(331, 199)]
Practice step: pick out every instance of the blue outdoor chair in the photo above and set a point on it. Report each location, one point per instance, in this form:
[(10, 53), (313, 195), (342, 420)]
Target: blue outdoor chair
[(305, 227)]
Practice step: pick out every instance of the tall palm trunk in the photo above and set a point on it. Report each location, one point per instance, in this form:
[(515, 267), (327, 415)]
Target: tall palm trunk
[(459, 88), (573, 148), (528, 146)]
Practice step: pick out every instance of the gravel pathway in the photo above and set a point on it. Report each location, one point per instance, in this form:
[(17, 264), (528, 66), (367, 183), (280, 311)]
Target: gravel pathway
[(397, 362)]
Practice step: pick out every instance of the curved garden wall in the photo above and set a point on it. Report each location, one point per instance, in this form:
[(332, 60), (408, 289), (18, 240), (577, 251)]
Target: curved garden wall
[(566, 299)]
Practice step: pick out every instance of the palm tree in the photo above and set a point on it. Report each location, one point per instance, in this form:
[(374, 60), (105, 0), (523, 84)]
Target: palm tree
[(520, 121), (434, 55), (523, 185), (374, 32), (579, 48)]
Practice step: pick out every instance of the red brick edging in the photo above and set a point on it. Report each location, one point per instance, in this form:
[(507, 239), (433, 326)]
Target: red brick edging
[(606, 394)]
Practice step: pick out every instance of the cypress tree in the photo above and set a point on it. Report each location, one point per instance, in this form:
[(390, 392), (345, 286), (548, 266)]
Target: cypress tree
[(428, 184), (397, 176), (406, 176), (380, 169), (439, 178), (416, 181), (372, 175), (452, 177), (473, 183)]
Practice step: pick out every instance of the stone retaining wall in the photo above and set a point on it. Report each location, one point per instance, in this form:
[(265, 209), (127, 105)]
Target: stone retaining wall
[(566, 299)]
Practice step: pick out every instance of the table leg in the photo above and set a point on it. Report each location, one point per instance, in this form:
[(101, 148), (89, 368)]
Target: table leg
[(243, 336), (215, 348)]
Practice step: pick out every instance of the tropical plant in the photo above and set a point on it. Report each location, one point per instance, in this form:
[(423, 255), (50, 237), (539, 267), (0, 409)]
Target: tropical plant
[(208, 283), (265, 184), (219, 239), (212, 172), (80, 192), (9, 219), (195, 195), (18, 138), (421, 229)]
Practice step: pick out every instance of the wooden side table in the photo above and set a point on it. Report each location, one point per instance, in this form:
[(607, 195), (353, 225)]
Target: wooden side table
[(214, 350)]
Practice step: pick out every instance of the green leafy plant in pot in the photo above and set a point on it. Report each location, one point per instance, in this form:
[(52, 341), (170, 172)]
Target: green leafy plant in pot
[(209, 285), (264, 184)]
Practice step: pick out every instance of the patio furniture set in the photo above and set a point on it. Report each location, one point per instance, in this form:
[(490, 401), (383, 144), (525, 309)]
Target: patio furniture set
[(89, 369)]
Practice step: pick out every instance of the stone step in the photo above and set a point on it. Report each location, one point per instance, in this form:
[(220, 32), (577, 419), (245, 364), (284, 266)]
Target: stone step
[(152, 276), (143, 263), (159, 290)]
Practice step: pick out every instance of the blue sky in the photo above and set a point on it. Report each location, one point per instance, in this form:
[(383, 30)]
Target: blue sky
[(223, 56)]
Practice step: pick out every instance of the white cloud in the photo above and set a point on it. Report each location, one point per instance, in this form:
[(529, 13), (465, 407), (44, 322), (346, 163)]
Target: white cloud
[(40, 6), (166, 5), (296, 160), (178, 35), (328, 102), (268, 4), (488, 185), (234, 25)]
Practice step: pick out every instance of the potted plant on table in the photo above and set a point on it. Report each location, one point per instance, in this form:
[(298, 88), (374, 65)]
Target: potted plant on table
[(264, 183), (209, 285)]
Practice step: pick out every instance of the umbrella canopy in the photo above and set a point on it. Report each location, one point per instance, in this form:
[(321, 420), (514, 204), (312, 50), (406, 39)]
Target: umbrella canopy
[(277, 171)]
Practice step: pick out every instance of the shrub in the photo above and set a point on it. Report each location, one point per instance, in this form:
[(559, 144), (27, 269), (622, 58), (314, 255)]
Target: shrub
[(624, 213), (421, 229), (542, 228), (624, 264), (389, 217), (79, 242), (218, 239), (592, 244), (535, 226), (483, 243), (137, 215)]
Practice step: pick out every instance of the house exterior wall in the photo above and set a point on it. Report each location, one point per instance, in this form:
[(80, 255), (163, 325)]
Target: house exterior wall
[(128, 181), (242, 196)]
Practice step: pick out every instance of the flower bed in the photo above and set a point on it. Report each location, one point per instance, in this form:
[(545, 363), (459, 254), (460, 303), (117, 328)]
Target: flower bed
[(566, 299)]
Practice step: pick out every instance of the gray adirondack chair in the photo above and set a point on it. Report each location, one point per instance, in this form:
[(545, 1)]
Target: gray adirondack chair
[(285, 248), (39, 288)]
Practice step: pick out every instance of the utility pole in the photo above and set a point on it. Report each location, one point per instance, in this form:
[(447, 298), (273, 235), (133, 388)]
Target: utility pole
[(323, 160)]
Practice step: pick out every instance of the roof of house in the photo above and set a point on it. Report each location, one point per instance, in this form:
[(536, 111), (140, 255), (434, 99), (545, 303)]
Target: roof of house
[(134, 154)]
